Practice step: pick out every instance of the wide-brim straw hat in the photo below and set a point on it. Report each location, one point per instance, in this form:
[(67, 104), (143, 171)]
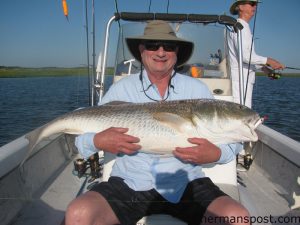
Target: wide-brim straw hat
[(158, 30), (233, 8)]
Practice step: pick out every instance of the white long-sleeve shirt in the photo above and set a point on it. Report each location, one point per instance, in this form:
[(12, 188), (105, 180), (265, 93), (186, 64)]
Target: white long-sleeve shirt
[(256, 60)]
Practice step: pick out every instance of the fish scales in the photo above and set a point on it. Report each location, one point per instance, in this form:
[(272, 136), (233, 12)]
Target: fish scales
[(161, 126)]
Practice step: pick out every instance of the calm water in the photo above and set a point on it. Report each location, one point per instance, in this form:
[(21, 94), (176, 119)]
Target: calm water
[(279, 100), (26, 103)]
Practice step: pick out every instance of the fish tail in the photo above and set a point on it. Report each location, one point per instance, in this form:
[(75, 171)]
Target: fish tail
[(34, 138)]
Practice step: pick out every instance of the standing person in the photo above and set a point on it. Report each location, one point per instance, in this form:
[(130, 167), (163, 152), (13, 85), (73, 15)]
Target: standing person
[(143, 184), (246, 10)]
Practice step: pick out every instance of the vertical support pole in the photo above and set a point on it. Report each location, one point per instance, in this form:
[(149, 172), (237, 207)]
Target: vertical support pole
[(240, 62)]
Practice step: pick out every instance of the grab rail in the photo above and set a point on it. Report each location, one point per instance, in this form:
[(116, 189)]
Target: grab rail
[(174, 17)]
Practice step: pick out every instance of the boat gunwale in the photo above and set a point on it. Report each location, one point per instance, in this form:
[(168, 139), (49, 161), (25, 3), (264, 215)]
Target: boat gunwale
[(280, 143)]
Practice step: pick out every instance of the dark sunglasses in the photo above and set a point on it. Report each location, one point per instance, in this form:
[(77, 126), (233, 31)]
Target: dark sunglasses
[(155, 45), (250, 3)]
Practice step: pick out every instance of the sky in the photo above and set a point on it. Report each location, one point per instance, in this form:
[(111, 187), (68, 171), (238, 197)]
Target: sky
[(35, 33)]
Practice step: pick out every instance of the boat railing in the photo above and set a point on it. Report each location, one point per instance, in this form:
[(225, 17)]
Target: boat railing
[(281, 144), (14, 152)]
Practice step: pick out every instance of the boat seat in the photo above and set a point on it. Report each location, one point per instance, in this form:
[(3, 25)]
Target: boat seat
[(224, 175)]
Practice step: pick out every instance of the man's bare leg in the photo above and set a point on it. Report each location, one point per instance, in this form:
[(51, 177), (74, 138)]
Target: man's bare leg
[(90, 208), (223, 208)]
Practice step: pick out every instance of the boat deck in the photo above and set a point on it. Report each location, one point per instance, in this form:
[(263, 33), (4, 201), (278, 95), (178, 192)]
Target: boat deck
[(253, 186), (268, 198), (50, 208)]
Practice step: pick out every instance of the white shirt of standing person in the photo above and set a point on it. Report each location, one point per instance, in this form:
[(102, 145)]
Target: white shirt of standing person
[(256, 62)]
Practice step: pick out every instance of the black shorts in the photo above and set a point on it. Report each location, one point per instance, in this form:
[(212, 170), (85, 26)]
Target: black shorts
[(130, 206)]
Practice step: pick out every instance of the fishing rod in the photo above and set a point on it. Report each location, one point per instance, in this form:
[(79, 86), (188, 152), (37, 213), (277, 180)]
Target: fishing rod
[(275, 74), (292, 68)]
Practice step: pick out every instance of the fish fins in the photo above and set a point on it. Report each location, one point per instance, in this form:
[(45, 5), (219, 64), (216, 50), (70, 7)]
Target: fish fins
[(176, 122)]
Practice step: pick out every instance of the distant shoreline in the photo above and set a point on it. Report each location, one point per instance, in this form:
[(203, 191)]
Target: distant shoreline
[(21, 72), (296, 75)]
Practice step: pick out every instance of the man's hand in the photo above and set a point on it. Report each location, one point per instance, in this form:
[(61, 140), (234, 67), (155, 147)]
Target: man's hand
[(115, 140), (267, 70), (204, 152), (275, 64)]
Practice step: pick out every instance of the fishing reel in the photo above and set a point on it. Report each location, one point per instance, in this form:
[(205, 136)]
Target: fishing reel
[(274, 75), (248, 159), (244, 160), (88, 168)]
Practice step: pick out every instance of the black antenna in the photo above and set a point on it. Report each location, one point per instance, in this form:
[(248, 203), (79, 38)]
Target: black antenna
[(168, 6), (94, 54), (116, 6), (149, 8), (88, 53)]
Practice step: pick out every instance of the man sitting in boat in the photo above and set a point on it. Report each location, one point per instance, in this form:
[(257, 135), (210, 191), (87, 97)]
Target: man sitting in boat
[(143, 184)]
